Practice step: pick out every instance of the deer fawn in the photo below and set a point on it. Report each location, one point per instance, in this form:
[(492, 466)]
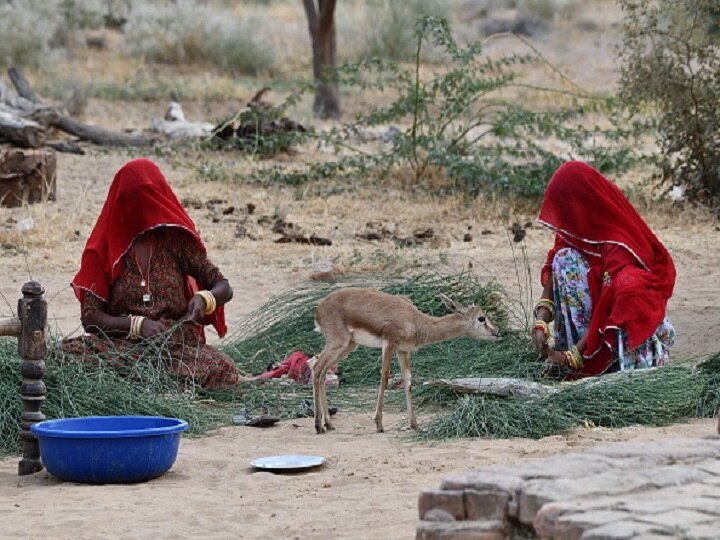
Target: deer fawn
[(351, 317)]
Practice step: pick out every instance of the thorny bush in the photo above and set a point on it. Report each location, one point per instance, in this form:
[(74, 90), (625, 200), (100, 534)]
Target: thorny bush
[(473, 118), (671, 62)]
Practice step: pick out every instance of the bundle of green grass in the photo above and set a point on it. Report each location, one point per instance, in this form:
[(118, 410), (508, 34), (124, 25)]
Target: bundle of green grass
[(285, 324), (92, 388), (647, 397)]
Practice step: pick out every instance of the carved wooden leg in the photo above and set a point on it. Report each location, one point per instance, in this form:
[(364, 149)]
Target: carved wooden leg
[(32, 311)]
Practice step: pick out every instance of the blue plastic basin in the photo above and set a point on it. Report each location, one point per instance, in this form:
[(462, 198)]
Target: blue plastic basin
[(109, 449)]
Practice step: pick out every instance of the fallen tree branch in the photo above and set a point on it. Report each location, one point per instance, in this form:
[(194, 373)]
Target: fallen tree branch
[(21, 84), (496, 386), (64, 123), (20, 131)]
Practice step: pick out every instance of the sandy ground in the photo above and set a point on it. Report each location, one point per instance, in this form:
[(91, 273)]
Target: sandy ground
[(368, 488), (370, 485), (371, 482)]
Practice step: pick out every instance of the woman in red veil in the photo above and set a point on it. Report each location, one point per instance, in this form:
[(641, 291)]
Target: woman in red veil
[(145, 275), (606, 281)]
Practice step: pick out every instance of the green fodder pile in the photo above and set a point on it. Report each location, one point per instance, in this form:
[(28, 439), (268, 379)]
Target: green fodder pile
[(645, 397), (81, 388), (654, 397), (285, 324)]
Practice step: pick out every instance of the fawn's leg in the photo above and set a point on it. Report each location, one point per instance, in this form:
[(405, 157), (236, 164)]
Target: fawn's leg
[(326, 413), (387, 352), (327, 357), (404, 360)]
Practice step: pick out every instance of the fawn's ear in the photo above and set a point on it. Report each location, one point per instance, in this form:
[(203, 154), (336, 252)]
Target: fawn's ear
[(449, 302)]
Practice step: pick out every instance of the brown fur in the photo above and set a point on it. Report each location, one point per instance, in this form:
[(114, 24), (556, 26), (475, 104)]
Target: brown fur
[(348, 317)]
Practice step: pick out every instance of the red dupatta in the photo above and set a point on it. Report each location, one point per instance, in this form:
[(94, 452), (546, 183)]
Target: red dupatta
[(591, 214), (139, 199)]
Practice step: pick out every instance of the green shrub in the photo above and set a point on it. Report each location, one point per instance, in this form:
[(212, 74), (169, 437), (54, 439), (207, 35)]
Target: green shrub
[(670, 61), (463, 122)]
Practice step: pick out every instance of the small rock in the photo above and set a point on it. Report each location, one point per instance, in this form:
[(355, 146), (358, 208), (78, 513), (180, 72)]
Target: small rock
[(25, 225)]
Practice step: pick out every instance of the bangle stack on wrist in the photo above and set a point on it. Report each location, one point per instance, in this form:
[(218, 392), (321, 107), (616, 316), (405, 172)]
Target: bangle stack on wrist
[(547, 304), (574, 359), (209, 300), (542, 325), (136, 322)]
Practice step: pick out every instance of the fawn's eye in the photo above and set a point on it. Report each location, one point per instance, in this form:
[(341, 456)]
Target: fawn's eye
[(481, 318)]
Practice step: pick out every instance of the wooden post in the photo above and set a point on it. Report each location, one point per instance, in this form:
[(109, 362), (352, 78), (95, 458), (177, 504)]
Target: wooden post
[(32, 312)]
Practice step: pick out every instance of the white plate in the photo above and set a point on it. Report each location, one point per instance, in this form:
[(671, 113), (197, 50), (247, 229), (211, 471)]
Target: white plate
[(293, 462)]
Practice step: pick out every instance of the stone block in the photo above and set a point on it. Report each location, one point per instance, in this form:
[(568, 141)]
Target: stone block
[(671, 450), (711, 466), (658, 505), (486, 505), (545, 520), (483, 480), (451, 501), (463, 530), (572, 526), (536, 493), (621, 530), (678, 518), (703, 532)]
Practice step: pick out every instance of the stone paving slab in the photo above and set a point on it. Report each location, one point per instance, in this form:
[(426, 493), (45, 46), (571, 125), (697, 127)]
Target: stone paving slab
[(666, 489)]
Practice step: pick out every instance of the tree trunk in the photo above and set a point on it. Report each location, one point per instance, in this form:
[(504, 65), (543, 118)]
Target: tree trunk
[(321, 23), (27, 177)]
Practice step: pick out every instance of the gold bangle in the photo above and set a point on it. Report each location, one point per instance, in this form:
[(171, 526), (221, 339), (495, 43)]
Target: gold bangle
[(574, 358), (208, 300), (547, 304), (542, 325), (136, 322), (578, 357)]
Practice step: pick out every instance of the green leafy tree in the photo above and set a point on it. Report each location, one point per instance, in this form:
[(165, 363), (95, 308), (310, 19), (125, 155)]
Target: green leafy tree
[(670, 62)]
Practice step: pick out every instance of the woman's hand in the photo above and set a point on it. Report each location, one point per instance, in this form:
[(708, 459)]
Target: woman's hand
[(196, 309), (151, 328), (540, 340), (557, 358)]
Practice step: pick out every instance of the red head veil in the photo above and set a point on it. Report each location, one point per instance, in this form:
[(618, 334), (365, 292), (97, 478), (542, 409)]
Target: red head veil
[(139, 199), (590, 213)]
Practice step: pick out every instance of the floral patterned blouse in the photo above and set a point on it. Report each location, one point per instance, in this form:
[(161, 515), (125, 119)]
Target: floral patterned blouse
[(174, 255)]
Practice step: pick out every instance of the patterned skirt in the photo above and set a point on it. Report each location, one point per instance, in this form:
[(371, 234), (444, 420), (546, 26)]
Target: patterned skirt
[(574, 309), (179, 351)]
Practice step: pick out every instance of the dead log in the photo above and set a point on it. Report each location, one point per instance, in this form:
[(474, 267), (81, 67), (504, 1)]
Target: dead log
[(21, 132), (496, 386), (100, 136), (19, 104), (22, 86), (64, 123), (27, 177)]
